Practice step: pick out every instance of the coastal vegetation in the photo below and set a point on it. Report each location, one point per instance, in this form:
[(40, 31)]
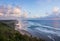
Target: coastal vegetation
[(9, 34)]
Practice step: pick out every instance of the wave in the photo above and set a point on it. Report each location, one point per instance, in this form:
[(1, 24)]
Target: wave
[(44, 28), (43, 31)]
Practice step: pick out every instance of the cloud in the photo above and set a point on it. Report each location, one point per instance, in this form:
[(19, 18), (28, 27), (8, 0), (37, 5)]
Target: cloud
[(25, 14), (10, 11), (1, 14), (55, 9), (16, 11)]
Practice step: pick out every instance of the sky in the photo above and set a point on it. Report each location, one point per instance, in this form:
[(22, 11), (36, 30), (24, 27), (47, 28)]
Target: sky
[(35, 8)]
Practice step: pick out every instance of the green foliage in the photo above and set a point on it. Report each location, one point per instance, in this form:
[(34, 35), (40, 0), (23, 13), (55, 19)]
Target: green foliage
[(9, 34)]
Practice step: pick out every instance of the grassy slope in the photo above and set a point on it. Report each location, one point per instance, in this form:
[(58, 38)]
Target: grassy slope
[(9, 34)]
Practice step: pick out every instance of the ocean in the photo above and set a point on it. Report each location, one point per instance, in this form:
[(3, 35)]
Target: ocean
[(46, 29)]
